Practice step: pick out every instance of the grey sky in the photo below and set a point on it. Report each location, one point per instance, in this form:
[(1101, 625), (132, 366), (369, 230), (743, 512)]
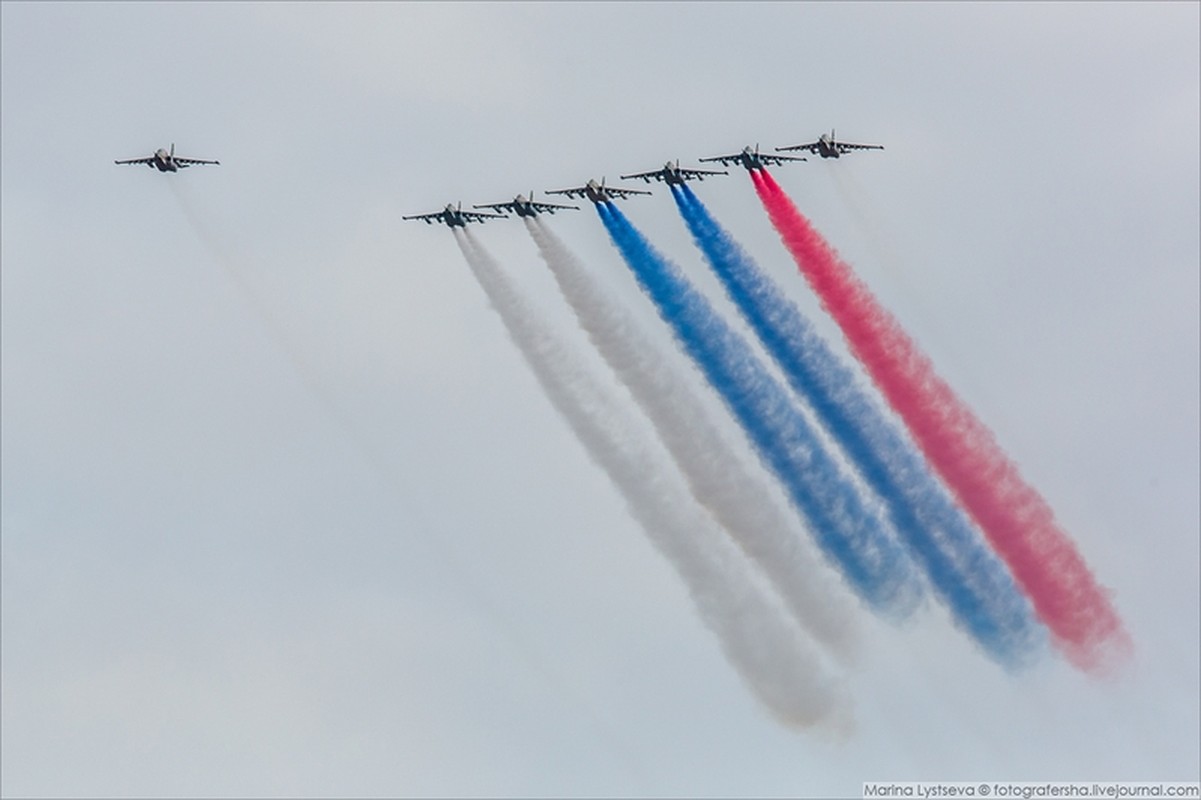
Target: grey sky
[(335, 541)]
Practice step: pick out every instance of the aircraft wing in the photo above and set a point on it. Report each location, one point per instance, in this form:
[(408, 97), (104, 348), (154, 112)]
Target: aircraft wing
[(778, 160), (136, 160), (810, 146), (480, 216), (428, 219), (550, 208), (699, 174), (610, 190), (187, 162), (509, 206), (657, 174), (845, 146), (576, 191), (728, 161)]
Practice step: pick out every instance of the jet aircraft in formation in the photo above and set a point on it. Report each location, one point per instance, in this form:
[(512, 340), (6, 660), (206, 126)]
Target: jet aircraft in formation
[(826, 146), (829, 147), (753, 159), (522, 207), (673, 175), (166, 161), (454, 217), (598, 192)]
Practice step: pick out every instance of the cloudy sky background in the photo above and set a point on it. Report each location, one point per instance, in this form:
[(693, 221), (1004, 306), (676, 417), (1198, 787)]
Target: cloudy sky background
[(285, 513)]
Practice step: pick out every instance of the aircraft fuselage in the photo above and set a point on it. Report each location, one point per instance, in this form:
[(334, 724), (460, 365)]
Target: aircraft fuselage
[(596, 193), (750, 160), (163, 161), (827, 148)]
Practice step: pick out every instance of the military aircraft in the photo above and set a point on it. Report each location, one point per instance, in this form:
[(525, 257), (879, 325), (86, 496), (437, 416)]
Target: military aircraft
[(454, 217), (753, 159), (672, 175), (598, 192), (166, 161), (522, 207), (829, 147)]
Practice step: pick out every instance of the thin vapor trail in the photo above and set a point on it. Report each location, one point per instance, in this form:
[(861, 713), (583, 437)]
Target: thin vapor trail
[(301, 365), (846, 529), (777, 662), (964, 573), (392, 483), (716, 473), (1018, 522)]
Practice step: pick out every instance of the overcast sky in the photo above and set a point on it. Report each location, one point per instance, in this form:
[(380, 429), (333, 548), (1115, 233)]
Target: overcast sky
[(285, 513)]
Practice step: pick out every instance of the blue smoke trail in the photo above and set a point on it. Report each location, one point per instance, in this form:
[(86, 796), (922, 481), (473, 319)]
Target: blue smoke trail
[(854, 538), (964, 572)]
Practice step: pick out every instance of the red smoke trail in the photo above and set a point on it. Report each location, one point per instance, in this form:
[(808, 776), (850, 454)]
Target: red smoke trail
[(1017, 520)]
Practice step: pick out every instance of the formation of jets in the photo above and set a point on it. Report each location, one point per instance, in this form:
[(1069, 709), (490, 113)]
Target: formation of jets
[(672, 174)]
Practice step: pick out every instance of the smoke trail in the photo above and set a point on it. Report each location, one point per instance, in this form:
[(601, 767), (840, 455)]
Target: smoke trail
[(779, 665), (967, 576), (846, 530), (301, 366), (393, 485), (715, 471), (1015, 518)]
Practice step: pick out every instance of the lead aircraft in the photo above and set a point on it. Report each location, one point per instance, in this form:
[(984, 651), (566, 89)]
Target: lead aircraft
[(455, 217), (753, 159), (166, 161), (829, 147)]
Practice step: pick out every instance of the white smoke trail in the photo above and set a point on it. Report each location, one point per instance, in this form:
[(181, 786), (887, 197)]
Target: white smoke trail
[(771, 653), (719, 477)]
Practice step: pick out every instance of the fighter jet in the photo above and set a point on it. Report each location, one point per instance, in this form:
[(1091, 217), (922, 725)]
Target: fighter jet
[(829, 147), (455, 217), (598, 192), (522, 207), (166, 161), (672, 175), (752, 159)]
